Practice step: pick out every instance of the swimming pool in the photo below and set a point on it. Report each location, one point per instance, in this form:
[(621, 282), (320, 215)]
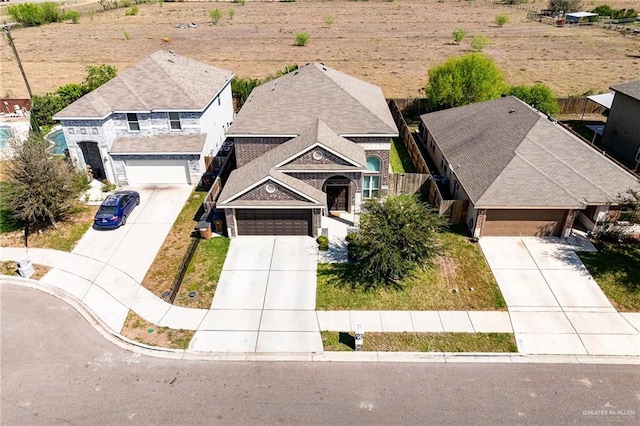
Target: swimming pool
[(5, 136), (58, 140)]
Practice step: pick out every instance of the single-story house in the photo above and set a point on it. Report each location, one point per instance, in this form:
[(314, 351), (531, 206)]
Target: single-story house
[(522, 172), (313, 142), (152, 124)]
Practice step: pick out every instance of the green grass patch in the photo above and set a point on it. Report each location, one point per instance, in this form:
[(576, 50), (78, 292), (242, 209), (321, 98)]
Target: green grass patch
[(616, 269), (422, 342), (461, 266), (399, 158), (138, 329), (8, 222), (203, 273)]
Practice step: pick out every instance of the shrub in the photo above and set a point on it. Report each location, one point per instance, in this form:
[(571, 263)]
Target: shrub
[(479, 42), (108, 186), (32, 14), (240, 2), (126, 35), (328, 20), (302, 38), (501, 19), (132, 12), (230, 13), (323, 243), (73, 16), (539, 96), (458, 35), (215, 16), (567, 6)]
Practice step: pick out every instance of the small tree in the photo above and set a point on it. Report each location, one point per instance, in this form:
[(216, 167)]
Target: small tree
[(396, 236), (43, 189), (458, 35), (464, 80), (215, 16), (479, 42), (98, 75), (538, 96), (501, 19), (71, 92), (302, 38), (567, 6)]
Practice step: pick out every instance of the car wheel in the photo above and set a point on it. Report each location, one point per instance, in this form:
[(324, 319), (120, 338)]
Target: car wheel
[(137, 201), (124, 221)]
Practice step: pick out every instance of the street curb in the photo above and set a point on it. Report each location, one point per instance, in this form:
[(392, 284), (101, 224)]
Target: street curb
[(369, 357)]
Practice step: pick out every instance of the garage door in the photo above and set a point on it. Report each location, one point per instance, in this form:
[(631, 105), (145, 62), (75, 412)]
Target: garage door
[(524, 222), (157, 171), (273, 222)]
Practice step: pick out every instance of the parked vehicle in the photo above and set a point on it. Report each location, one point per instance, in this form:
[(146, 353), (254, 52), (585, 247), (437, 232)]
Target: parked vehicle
[(115, 209)]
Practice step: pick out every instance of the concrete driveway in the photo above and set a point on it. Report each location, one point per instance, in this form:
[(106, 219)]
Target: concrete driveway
[(555, 305), (265, 299), (132, 247)]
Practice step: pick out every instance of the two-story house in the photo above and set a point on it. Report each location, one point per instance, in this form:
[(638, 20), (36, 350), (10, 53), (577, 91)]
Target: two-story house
[(310, 143), (621, 137), (153, 123)]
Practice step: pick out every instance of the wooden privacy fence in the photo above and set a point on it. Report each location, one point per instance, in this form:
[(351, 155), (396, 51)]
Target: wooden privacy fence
[(408, 183), (454, 210), (407, 138), (579, 106), (212, 196)]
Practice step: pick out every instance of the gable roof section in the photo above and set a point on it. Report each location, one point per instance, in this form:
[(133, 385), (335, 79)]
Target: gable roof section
[(631, 89), (160, 82), (290, 103), (273, 162), (506, 154)]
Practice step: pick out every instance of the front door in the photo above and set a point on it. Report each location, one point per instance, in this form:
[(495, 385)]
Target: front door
[(92, 157), (337, 197)]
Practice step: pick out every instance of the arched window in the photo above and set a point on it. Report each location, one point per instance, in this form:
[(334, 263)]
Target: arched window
[(371, 180), (373, 164)]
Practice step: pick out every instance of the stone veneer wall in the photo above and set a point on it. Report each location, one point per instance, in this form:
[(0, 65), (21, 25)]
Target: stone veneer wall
[(281, 193), (327, 158)]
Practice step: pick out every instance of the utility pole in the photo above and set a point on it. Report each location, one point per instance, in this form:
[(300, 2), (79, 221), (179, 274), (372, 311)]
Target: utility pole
[(6, 31)]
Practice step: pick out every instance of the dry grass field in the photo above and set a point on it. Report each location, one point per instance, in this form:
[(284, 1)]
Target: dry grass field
[(389, 43)]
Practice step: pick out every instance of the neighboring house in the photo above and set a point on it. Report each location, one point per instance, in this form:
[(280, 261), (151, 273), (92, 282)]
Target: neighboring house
[(310, 143), (522, 173), (621, 136), (152, 124)]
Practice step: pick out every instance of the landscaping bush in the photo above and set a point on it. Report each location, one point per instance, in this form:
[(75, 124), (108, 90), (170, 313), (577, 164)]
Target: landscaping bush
[(302, 39), (458, 35), (501, 19), (323, 243)]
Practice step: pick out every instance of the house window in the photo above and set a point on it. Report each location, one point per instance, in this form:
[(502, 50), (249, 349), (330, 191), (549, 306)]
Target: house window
[(174, 121), (371, 181), (132, 120), (444, 167)]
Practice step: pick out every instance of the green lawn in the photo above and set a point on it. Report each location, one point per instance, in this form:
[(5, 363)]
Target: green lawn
[(8, 223), (399, 158), (616, 269), (422, 342), (461, 266)]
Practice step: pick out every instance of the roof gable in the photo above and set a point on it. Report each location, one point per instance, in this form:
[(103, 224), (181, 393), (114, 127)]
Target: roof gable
[(631, 89), (294, 101), (160, 82)]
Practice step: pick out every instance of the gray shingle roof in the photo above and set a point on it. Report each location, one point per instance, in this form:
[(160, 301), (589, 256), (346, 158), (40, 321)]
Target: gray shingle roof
[(318, 134), (292, 102), (160, 82), (160, 144), (506, 154), (631, 89)]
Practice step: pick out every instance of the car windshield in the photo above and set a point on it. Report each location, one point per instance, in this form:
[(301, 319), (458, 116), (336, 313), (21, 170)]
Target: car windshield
[(107, 210)]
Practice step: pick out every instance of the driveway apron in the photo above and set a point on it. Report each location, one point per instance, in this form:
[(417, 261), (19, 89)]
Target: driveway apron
[(555, 305), (265, 298)]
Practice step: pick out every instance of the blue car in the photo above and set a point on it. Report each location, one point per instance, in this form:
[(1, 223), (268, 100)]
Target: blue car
[(115, 208)]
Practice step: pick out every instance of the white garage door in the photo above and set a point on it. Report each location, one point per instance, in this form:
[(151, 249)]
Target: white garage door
[(157, 171)]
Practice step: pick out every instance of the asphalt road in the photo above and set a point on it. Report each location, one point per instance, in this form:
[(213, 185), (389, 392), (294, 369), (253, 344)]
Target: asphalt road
[(56, 369)]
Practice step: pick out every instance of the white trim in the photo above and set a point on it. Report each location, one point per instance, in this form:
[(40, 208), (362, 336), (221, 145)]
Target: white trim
[(247, 135), (375, 146), (156, 153), (310, 148), (354, 170), (370, 135), (278, 207)]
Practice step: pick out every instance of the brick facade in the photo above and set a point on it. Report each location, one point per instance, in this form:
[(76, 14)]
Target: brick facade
[(249, 148), (327, 158), (281, 193)]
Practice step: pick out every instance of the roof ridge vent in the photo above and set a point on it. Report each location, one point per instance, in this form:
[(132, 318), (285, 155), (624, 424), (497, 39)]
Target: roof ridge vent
[(511, 111)]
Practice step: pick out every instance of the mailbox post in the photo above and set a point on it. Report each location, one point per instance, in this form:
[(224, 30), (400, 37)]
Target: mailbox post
[(359, 337)]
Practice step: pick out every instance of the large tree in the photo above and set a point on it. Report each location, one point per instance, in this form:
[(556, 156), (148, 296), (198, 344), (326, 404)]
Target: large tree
[(464, 80), (538, 96), (396, 236), (41, 189)]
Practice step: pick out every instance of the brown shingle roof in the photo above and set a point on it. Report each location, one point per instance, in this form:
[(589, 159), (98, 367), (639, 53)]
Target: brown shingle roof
[(292, 102), (160, 82), (178, 143), (631, 89), (318, 134), (506, 154)]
